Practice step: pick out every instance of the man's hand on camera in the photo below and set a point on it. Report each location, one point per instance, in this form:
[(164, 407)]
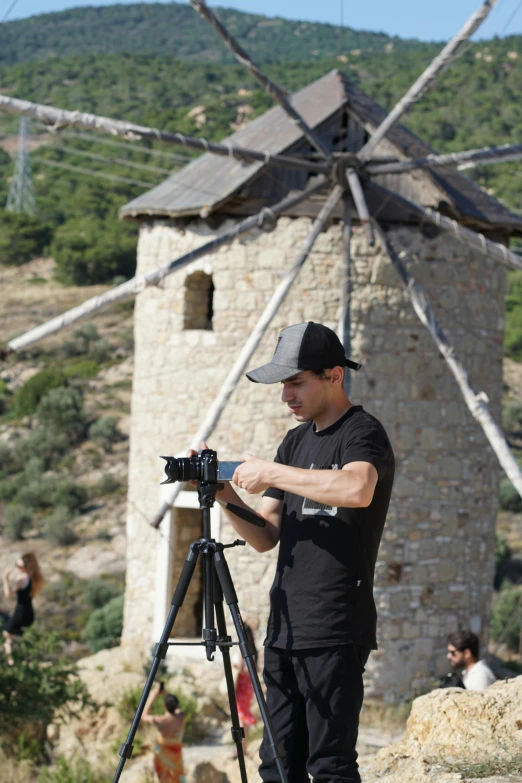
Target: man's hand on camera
[(252, 475)]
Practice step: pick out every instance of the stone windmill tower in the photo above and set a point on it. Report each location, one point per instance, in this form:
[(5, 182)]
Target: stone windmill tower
[(383, 224), (435, 564)]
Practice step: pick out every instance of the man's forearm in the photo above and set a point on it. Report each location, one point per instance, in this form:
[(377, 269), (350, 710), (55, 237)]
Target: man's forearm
[(333, 487)]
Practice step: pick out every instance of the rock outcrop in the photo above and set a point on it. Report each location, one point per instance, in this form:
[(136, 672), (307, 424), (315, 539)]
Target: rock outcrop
[(453, 734)]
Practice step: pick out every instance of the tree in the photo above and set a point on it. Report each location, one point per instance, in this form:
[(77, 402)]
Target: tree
[(22, 238), (88, 250), (40, 687)]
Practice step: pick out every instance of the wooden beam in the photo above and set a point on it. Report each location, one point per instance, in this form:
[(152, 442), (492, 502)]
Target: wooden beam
[(61, 118), (271, 88), (360, 204), (133, 287), (344, 328), (461, 160), (476, 401), (427, 79), (209, 424), (465, 235)]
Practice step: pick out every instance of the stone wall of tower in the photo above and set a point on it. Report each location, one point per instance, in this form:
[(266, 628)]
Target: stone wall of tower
[(436, 560)]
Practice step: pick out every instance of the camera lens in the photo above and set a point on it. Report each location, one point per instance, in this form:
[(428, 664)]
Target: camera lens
[(189, 468), (182, 469)]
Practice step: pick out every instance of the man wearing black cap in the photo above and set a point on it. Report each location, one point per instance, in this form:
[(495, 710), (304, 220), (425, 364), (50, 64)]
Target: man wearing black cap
[(325, 501)]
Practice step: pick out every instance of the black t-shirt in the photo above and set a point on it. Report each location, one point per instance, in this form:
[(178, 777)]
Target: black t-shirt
[(323, 588)]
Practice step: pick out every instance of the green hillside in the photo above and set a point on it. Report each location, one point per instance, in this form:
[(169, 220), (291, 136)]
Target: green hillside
[(476, 103), (177, 30)]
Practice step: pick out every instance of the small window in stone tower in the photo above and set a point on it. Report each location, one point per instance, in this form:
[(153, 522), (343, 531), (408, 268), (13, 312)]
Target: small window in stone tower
[(199, 301)]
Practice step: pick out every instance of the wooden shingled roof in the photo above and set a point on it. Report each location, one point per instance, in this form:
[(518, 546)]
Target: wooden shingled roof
[(209, 182)]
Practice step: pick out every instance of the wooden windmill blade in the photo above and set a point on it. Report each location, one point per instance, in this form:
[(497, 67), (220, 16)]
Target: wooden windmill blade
[(460, 160), (271, 88), (354, 183), (427, 78), (61, 118)]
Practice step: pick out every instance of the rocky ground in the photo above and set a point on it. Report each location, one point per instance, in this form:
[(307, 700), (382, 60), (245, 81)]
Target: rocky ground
[(451, 735)]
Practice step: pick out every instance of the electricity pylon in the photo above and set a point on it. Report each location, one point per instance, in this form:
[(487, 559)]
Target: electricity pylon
[(21, 195)]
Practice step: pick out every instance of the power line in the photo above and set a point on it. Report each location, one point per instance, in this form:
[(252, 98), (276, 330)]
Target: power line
[(508, 23), (105, 159), (133, 147), (11, 7), (92, 173)]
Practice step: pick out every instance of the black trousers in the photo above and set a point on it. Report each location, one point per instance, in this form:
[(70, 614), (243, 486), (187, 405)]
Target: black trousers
[(314, 698)]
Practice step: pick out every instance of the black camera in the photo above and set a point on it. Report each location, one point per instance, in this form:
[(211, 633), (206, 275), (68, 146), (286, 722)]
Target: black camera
[(203, 467)]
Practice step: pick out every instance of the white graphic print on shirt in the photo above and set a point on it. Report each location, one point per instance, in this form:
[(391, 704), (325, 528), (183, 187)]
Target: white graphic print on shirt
[(312, 507)]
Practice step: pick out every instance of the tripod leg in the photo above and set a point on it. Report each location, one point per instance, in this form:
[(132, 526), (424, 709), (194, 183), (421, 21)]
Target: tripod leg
[(237, 729), (160, 652), (246, 651)]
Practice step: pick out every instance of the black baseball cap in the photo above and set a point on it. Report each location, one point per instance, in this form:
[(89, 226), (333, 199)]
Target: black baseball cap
[(308, 346)]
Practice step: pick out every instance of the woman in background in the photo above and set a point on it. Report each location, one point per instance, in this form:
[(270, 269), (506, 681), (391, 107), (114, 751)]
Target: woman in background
[(168, 758), (26, 584)]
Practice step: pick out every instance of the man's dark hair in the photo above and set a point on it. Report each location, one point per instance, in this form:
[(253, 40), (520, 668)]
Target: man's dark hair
[(171, 703), (465, 640), (322, 374)]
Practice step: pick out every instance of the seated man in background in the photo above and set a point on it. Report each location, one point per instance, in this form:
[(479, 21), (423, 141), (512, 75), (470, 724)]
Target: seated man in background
[(463, 653)]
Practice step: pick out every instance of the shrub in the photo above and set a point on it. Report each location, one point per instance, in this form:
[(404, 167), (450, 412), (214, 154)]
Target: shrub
[(68, 494), (22, 238), (85, 335), (4, 397), (5, 458), (86, 368), (18, 518), (100, 350), (502, 559), (512, 417), (91, 251), (513, 325), (105, 431), (108, 484), (27, 398), (189, 705), (104, 625), (128, 704), (78, 771), (58, 528), (61, 410), (48, 444), (35, 494), (509, 498), (506, 616), (41, 686), (98, 593), (7, 490), (33, 469)]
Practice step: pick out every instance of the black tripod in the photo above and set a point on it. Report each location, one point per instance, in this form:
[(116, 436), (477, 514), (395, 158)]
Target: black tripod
[(217, 586)]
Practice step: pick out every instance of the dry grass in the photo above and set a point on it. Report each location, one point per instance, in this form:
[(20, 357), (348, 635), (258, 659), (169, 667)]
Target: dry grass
[(486, 769), (15, 772)]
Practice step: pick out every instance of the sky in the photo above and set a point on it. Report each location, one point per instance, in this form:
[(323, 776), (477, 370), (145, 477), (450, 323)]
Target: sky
[(406, 18)]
